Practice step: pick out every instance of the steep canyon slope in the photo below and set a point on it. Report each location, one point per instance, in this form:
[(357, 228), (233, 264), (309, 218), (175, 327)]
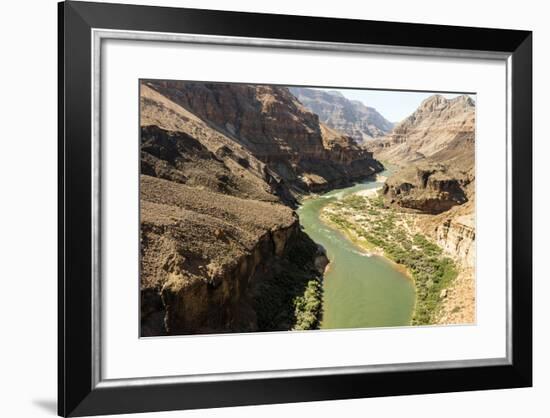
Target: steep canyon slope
[(434, 126), (274, 127), (435, 150), (351, 117), (221, 165)]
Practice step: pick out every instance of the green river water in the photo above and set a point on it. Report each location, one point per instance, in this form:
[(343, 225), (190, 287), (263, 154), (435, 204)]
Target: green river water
[(360, 290)]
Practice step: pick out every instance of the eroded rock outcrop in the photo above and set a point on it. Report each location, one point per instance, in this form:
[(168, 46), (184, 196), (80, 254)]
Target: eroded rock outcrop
[(434, 148), (456, 235), (208, 258), (429, 188)]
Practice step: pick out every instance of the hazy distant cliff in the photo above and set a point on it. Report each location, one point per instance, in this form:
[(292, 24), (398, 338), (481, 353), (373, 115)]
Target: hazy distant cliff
[(351, 117), (436, 125)]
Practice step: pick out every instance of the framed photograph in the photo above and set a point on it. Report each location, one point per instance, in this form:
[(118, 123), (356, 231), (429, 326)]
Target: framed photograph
[(265, 208)]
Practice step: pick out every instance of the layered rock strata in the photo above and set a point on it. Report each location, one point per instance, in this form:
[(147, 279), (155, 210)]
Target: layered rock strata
[(454, 231), (435, 125), (350, 117), (434, 151), (269, 123), (428, 188), (206, 258), (221, 166)]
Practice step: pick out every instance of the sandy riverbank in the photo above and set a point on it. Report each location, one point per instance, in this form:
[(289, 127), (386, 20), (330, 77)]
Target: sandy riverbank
[(394, 234), (369, 192)]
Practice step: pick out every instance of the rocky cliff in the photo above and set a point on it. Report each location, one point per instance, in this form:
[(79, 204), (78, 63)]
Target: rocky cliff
[(456, 235), (270, 124), (221, 248), (454, 232), (427, 187), (434, 150), (350, 117), (208, 258), (438, 123)]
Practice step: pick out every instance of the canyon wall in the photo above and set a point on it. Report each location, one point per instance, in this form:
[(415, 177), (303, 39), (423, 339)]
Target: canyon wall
[(221, 166), (269, 123), (433, 151), (456, 235), (207, 259), (350, 117), (434, 126), (454, 231)]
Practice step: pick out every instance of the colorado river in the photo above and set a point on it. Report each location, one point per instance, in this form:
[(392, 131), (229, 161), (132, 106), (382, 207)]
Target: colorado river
[(360, 290)]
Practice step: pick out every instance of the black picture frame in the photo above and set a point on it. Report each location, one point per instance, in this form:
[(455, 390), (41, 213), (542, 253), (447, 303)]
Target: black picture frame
[(79, 395)]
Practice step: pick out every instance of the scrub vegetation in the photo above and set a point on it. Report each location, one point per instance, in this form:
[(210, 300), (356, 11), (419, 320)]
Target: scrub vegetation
[(308, 307), (375, 226), (293, 297)]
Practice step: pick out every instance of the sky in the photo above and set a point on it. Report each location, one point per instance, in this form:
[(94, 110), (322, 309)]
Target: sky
[(393, 105)]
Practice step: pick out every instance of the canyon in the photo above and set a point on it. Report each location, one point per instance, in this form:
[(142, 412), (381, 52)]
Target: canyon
[(226, 170), (222, 166), (299, 152), (435, 150), (422, 216)]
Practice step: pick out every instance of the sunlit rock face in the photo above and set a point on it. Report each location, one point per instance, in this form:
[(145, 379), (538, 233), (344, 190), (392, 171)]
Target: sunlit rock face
[(221, 167), (434, 152), (437, 124), (351, 117), (272, 125)]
